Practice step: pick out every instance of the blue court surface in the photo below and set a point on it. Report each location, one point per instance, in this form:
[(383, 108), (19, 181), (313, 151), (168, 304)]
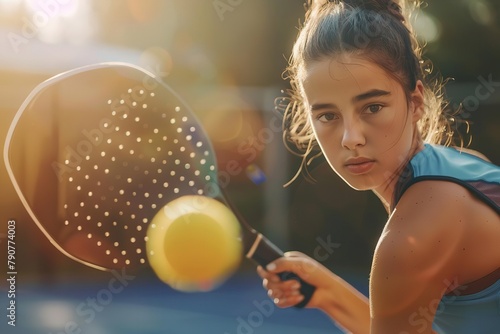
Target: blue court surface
[(127, 305)]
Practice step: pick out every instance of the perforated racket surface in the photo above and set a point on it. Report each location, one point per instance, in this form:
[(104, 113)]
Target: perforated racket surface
[(95, 152)]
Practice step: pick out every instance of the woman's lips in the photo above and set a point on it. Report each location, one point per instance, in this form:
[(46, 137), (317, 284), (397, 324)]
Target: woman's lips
[(359, 165)]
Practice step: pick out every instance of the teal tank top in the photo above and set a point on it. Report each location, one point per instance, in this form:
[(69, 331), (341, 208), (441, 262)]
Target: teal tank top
[(477, 313)]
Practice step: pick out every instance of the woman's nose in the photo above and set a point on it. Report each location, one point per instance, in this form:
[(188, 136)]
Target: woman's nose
[(353, 135)]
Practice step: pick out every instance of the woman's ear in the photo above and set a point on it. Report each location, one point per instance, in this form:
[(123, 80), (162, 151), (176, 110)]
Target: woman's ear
[(417, 101)]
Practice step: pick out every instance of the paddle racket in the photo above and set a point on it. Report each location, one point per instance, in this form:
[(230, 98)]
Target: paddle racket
[(95, 152)]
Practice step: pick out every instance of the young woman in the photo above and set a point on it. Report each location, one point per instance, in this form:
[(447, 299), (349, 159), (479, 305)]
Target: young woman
[(360, 95)]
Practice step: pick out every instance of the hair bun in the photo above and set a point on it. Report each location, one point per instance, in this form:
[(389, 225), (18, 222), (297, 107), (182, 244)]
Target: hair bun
[(390, 6)]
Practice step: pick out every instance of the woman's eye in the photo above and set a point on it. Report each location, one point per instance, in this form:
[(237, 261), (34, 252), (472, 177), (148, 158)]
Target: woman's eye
[(326, 117), (374, 108)]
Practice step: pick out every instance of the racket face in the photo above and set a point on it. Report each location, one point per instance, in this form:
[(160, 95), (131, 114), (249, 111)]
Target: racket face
[(96, 152)]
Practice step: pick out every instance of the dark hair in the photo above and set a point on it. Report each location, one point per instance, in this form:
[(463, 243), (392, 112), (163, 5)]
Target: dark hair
[(377, 30)]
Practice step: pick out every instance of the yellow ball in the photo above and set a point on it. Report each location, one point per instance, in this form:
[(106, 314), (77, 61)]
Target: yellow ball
[(193, 243)]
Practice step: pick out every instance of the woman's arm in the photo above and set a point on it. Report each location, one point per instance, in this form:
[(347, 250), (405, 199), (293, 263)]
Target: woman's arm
[(349, 308), (416, 259), (415, 263)]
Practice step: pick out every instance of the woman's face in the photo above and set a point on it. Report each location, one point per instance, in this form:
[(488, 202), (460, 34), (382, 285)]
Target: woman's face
[(362, 120)]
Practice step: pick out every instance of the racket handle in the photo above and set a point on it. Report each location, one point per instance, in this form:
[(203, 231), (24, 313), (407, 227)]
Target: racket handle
[(264, 252)]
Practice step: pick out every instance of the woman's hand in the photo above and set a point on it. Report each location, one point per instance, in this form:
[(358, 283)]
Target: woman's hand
[(347, 307), (287, 293)]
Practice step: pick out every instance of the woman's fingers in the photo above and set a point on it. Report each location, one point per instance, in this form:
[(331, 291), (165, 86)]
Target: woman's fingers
[(287, 293), (288, 301), (288, 286), (295, 262), (282, 293), (267, 275)]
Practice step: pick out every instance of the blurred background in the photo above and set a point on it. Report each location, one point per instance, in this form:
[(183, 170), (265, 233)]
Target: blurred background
[(226, 58)]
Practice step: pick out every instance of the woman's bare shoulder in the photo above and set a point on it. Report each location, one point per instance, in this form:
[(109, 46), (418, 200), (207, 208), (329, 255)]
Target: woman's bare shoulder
[(439, 224), (437, 201), (435, 235), (415, 258), (430, 218)]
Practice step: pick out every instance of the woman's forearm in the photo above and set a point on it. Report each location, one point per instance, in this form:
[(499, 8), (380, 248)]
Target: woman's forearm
[(348, 307)]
